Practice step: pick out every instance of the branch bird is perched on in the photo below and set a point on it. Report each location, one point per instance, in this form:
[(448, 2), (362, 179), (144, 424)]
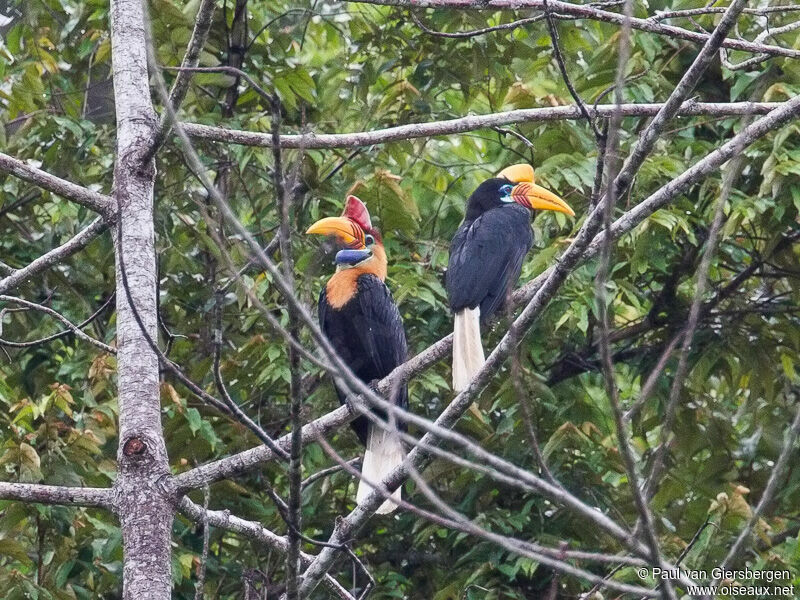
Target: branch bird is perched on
[(361, 320), (486, 257)]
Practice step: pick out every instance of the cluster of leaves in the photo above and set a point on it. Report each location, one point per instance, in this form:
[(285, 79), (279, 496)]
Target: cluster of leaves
[(357, 67)]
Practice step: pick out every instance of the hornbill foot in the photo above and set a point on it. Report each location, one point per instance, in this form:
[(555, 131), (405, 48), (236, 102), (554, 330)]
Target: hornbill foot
[(351, 403), (374, 385)]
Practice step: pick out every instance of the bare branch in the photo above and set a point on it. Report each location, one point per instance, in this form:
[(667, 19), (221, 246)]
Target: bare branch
[(759, 58), (249, 459), (662, 15), (60, 334), (353, 462), (476, 32), (585, 244), (61, 187), (689, 80), (313, 141), (552, 557), (769, 491), (587, 12), (56, 494), (554, 40), (601, 294), (255, 531), (294, 513), (57, 315), (54, 256), (202, 25)]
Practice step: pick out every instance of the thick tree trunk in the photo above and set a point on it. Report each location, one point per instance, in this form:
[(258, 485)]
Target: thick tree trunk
[(143, 507)]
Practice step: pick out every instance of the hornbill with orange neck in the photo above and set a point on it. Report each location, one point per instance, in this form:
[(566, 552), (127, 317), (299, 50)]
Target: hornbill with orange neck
[(361, 320), (486, 257)]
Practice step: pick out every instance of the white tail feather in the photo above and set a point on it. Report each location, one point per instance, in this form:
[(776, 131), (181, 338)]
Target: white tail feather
[(384, 453), (467, 347)]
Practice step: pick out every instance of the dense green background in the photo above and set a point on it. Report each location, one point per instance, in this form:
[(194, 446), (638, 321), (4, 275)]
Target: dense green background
[(339, 68)]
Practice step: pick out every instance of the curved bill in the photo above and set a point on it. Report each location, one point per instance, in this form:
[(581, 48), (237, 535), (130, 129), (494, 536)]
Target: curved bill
[(350, 258), (346, 232), (536, 197)]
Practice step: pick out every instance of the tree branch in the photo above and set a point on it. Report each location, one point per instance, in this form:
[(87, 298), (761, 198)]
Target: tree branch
[(202, 25), (74, 329), (61, 187), (56, 494), (709, 10), (587, 12), (475, 32), (769, 491), (249, 459), (585, 244), (255, 531), (687, 83), (239, 463), (601, 294), (316, 141), (54, 256)]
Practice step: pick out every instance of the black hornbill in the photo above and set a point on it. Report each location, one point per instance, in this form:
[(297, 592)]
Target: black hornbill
[(361, 320), (486, 258)]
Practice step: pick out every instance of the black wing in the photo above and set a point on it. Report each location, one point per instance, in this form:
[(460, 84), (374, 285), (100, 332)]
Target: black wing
[(486, 258), (368, 334)]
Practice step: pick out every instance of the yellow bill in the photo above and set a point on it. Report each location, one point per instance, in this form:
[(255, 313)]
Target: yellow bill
[(345, 231), (536, 197)]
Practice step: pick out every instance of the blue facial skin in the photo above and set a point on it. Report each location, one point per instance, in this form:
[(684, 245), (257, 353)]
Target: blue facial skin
[(505, 193), (351, 257)]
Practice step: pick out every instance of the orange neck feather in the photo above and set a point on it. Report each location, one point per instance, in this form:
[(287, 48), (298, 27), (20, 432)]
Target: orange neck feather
[(342, 287)]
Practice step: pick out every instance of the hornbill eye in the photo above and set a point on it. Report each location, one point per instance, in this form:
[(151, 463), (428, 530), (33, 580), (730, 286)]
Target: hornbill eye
[(369, 240), (505, 191)]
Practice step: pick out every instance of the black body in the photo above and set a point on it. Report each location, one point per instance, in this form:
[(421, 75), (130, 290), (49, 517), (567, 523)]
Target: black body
[(487, 251), (368, 334)]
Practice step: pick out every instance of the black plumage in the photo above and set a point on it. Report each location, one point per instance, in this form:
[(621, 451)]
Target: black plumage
[(487, 251), (368, 334)]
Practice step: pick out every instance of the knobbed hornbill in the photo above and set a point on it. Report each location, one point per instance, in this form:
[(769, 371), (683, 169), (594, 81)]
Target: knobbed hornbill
[(361, 320), (486, 258)]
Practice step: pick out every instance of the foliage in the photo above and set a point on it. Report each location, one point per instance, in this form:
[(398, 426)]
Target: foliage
[(358, 67)]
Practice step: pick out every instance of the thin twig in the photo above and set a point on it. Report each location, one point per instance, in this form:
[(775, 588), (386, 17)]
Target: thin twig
[(734, 168), (769, 491), (60, 334), (296, 405), (201, 569), (75, 244), (554, 40), (601, 293), (255, 531), (474, 32), (353, 462), (71, 327), (202, 26), (585, 11)]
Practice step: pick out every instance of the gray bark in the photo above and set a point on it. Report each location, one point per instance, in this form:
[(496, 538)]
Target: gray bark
[(584, 11), (144, 509), (313, 141)]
